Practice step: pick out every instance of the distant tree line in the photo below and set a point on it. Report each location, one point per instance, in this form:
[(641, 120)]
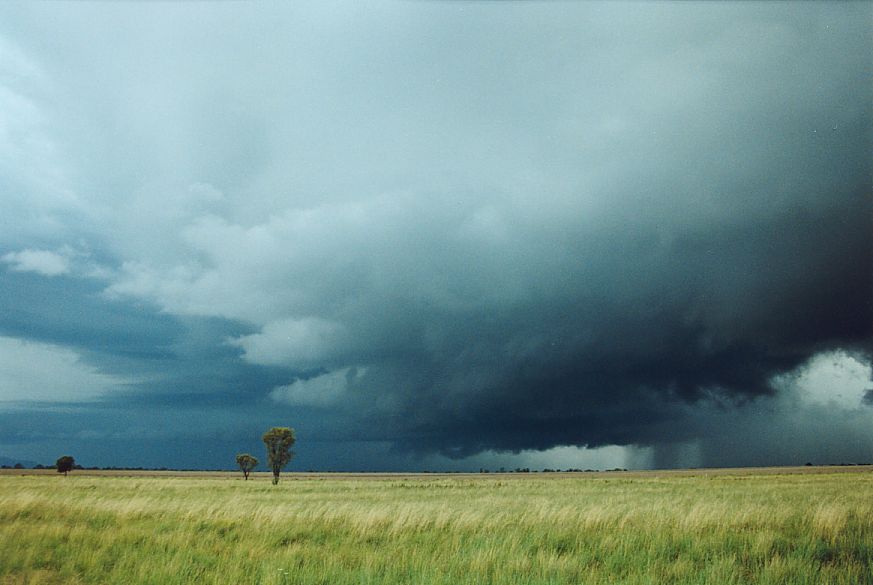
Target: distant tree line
[(278, 442)]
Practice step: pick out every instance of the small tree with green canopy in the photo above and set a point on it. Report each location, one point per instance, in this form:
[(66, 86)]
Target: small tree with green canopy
[(65, 464), (246, 463), (279, 441)]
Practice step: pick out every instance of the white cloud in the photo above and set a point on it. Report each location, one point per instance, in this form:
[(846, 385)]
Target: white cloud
[(43, 372), (64, 260), (308, 342), (40, 261), (563, 457), (833, 378), (321, 390), (570, 457)]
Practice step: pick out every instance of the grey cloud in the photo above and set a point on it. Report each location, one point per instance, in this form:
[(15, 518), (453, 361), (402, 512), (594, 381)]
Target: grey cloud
[(533, 224)]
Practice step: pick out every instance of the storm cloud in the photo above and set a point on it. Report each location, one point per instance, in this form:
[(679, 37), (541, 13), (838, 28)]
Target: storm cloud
[(447, 229)]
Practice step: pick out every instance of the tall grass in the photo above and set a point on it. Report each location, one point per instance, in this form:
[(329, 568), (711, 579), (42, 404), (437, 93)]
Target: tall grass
[(791, 529)]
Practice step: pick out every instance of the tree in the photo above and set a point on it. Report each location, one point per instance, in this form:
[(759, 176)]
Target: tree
[(279, 441), (246, 463), (65, 464)]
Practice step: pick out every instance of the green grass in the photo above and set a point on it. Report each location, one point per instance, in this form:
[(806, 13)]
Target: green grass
[(781, 529)]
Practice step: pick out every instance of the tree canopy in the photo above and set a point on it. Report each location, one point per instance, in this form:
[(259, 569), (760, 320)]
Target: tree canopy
[(279, 441), (246, 463), (65, 464)]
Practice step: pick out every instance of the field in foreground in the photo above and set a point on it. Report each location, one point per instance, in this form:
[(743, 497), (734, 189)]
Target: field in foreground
[(813, 528)]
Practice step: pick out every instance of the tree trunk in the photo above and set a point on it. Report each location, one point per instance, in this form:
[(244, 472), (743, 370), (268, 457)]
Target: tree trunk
[(275, 475)]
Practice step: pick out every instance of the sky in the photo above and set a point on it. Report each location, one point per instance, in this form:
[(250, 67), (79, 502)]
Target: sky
[(437, 235)]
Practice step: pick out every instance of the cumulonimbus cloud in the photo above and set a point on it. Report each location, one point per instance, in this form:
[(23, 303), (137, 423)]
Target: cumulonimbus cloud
[(579, 239)]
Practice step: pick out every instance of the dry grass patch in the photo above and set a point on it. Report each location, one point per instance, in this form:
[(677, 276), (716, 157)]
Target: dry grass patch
[(682, 529)]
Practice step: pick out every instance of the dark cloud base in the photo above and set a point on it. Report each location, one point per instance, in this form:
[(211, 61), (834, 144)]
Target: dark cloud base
[(630, 378)]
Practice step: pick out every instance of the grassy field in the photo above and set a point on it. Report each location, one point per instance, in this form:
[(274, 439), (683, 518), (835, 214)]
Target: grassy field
[(807, 526)]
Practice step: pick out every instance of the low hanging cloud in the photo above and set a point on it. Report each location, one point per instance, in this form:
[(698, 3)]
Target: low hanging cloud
[(321, 391), (297, 343), (818, 415)]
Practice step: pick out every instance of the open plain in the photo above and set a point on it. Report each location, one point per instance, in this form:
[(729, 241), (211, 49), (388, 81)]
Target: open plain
[(810, 525)]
